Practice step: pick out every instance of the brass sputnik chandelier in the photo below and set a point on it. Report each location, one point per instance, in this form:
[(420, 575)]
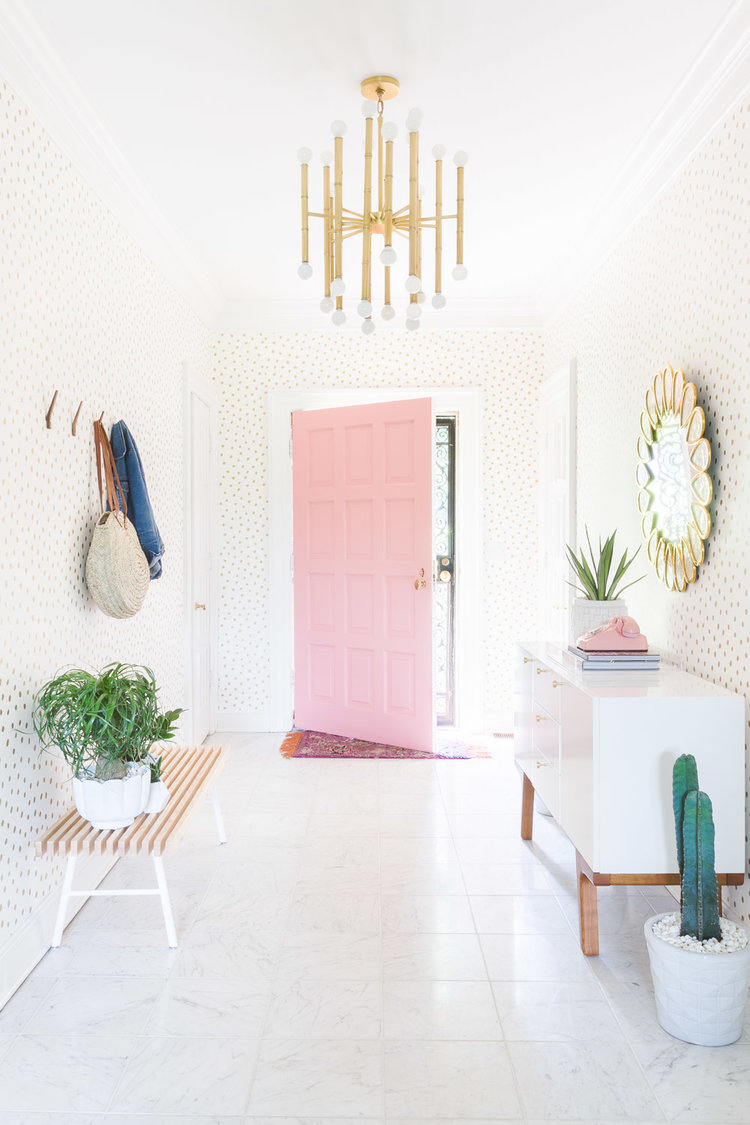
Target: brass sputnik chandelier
[(378, 216)]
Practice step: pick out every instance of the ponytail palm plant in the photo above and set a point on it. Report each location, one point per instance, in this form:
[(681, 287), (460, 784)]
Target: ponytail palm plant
[(101, 720), (599, 578)]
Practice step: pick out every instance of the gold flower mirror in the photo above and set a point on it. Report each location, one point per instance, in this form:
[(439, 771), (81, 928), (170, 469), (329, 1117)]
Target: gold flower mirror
[(674, 486)]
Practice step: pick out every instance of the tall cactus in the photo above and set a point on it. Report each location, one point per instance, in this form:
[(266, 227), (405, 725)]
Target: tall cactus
[(684, 778), (694, 825)]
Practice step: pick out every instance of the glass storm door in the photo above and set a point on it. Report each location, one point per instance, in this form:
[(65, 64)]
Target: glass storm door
[(363, 571)]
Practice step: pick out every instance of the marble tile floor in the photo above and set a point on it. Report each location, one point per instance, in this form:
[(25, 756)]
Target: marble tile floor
[(375, 945)]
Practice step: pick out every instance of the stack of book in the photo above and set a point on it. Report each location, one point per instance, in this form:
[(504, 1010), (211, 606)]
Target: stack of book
[(615, 661)]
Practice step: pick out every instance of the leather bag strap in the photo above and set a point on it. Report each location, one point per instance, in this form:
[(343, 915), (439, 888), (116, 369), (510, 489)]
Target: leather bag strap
[(105, 457)]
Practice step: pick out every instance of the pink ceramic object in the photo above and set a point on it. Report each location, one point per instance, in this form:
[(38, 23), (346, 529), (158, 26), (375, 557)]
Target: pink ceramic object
[(621, 634)]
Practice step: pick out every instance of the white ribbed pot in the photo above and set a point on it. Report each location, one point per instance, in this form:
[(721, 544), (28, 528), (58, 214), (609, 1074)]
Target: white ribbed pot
[(158, 797), (114, 803), (586, 614), (700, 997)]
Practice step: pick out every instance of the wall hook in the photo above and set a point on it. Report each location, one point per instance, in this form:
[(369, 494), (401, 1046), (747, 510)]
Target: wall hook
[(75, 420), (48, 415), (100, 417)]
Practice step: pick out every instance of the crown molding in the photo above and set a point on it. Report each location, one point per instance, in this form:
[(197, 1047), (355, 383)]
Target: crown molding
[(37, 74), (303, 315), (717, 81)]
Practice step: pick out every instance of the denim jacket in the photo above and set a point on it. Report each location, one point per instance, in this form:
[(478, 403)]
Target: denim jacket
[(130, 470)]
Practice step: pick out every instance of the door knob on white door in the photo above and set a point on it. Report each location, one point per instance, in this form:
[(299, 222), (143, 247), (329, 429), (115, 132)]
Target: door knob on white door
[(200, 605)]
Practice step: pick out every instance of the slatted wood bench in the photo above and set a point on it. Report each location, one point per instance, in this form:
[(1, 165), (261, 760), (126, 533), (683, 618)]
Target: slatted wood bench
[(189, 773)]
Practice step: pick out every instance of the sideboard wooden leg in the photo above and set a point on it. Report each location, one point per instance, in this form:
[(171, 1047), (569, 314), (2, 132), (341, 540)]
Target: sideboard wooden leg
[(527, 809), (588, 914)]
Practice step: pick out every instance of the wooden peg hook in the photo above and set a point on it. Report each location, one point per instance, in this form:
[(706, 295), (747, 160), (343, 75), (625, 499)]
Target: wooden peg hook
[(75, 420), (48, 415)]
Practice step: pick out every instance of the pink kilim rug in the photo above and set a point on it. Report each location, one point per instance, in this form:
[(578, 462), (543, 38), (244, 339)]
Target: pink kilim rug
[(314, 744)]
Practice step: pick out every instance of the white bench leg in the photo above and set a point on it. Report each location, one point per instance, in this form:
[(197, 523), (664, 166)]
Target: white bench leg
[(218, 816), (64, 900), (166, 905)]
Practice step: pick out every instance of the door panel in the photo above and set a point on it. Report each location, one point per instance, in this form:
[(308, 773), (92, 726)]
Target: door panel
[(362, 545)]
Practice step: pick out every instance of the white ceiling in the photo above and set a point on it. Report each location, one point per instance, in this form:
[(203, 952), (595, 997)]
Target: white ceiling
[(186, 115)]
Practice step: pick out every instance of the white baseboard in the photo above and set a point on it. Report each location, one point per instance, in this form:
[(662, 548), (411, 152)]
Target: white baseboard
[(497, 722), (256, 721), (26, 947)]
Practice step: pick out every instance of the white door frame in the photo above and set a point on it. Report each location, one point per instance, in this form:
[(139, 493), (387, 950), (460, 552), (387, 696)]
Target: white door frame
[(467, 405), (195, 383), (559, 387)]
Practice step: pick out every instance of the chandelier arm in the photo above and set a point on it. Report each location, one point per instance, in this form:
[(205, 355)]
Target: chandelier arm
[(459, 215), (413, 200), (380, 157), (388, 201), (366, 210), (338, 150), (438, 226), (305, 223), (327, 229)]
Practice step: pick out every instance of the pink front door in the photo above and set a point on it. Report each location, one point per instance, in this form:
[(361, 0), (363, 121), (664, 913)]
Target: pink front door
[(363, 572)]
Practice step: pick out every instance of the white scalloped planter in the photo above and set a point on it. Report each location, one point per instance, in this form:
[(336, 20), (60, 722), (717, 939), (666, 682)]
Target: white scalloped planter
[(587, 615), (115, 803), (158, 797), (700, 997)]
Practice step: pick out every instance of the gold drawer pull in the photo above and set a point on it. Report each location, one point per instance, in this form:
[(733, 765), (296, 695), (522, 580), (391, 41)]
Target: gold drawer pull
[(541, 718), (540, 765), (528, 659), (558, 683), (540, 670)]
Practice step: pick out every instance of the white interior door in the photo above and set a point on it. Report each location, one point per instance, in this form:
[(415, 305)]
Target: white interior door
[(557, 399)]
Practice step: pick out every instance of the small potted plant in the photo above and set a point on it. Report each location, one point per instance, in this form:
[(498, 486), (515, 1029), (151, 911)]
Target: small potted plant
[(599, 582), (700, 962), (104, 725)]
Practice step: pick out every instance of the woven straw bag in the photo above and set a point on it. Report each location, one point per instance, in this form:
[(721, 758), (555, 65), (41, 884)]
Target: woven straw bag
[(116, 569)]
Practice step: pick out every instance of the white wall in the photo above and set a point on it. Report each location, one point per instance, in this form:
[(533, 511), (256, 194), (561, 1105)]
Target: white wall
[(675, 292), (83, 311), (504, 365)]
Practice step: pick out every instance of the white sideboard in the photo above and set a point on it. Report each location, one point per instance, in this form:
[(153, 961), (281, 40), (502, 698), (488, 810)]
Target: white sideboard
[(598, 748)]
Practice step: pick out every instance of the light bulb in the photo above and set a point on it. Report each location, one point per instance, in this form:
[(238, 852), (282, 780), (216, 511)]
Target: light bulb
[(304, 155), (413, 283), (368, 109), (364, 308), (338, 128), (412, 324), (337, 287), (460, 271), (390, 131), (414, 311), (326, 304), (439, 301), (413, 120), (460, 159), (305, 271), (368, 326), (388, 256), (438, 152), (338, 317), (387, 312), (326, 157), (420, 191), (421, 296)]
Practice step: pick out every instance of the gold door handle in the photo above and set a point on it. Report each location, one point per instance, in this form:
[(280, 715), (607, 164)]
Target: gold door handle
[(200, 605), (419, 581)]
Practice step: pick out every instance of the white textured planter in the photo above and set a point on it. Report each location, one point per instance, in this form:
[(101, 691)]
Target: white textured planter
[(586, 615), (700, 997), (158, 797), (115, 803)]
